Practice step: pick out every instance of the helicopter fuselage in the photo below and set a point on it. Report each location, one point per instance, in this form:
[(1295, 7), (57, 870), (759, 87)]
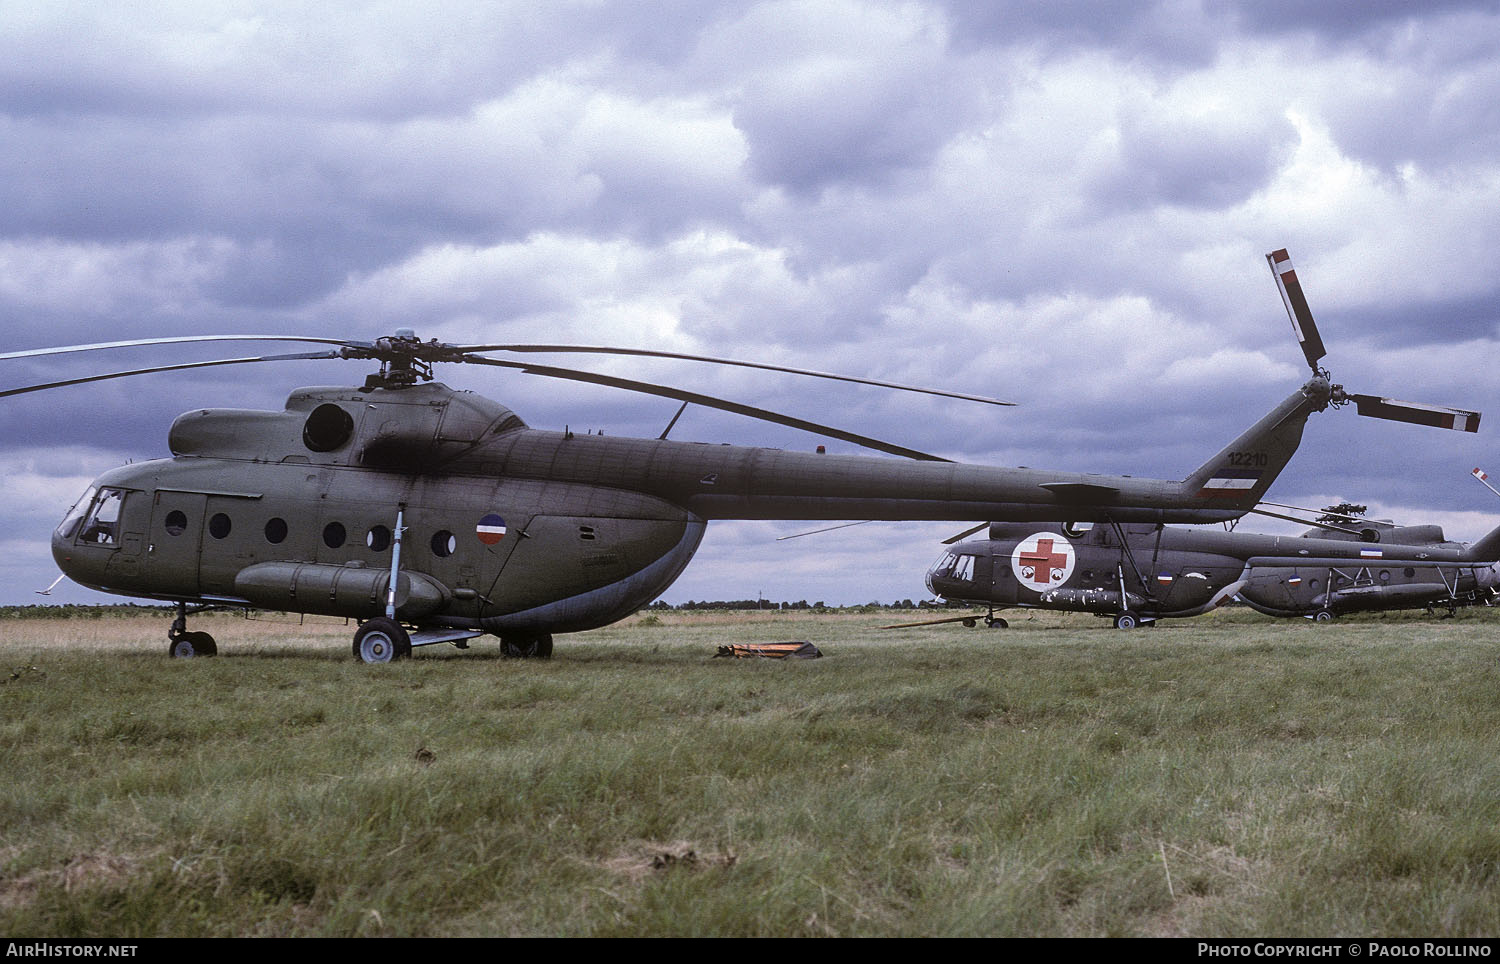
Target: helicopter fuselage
[(503, 527)]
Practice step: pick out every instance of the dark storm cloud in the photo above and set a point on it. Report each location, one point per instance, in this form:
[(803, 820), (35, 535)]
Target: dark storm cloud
[(1215, 163), (1169, 32), (1336, 22), (1061, 204)]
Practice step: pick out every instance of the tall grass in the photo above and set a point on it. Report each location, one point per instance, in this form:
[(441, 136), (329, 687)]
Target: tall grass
[(1226, 776)]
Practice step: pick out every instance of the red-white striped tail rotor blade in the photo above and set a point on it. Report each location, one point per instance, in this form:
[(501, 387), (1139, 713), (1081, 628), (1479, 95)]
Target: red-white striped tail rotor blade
[(1296, 307), (1484, 480), (1434, 415)]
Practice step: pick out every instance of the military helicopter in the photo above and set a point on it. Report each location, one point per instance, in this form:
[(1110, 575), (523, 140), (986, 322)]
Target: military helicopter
[(1324, 592), (1138, 573), (432, 515)]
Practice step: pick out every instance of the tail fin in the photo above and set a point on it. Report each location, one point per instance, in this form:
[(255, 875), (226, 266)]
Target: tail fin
[(1487, 549), (1240, 474)]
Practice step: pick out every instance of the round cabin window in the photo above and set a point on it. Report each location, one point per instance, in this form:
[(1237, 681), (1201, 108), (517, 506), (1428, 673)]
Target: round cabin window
[(334, 535), (276, 531), (175, 523)]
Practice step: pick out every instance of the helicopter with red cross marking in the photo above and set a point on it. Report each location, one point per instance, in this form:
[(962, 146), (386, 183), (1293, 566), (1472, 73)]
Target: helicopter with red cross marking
[(1136, 573)]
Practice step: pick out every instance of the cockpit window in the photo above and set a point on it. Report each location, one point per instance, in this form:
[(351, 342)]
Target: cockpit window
[(101, 526), (954, 566)]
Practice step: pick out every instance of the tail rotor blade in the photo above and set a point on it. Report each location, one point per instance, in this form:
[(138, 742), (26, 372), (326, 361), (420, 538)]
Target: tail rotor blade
[(1435, 416), (1296, 307)]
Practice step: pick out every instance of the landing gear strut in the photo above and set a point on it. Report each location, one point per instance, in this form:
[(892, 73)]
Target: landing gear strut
[(182, 644)]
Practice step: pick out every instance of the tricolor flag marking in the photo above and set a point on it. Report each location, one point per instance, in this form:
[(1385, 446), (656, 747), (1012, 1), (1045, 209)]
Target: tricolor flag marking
[(1229, 483), (491, 529), (1371, 554)]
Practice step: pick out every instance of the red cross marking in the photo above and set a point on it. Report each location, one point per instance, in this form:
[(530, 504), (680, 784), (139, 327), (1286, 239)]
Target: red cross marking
[(1043, 560)]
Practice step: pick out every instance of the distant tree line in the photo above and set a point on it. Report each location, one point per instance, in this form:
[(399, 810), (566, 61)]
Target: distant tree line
[(76, 611), (801, 604)]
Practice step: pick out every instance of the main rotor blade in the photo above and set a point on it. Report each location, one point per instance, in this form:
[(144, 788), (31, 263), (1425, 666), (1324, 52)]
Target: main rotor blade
[(1303, 508), (965, 534), (708, 401), (167, 368), (967, 617), (184, 339), (1296, 307), (1435, 416), (813, 532), (649, 353), (1305, 522)]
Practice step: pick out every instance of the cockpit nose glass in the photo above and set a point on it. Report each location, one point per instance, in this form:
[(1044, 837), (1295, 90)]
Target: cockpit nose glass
[(69, 524), (951, 566), (95, 519)]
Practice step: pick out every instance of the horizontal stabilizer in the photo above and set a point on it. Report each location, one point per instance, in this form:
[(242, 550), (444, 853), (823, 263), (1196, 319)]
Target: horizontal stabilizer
[(1433, 415)]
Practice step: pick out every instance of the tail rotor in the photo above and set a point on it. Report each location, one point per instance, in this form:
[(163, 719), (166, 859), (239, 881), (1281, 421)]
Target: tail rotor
[(1370, 406)]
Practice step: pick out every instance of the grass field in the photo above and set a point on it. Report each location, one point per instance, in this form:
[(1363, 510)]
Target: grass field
[(1226, 776)]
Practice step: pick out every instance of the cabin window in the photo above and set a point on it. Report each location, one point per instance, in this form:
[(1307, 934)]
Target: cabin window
[(444, 543), (334, 535), (276, 531), (102, 525), (219, 526), (378, 539), (1408, 572), (175, 523), (1385, 575)]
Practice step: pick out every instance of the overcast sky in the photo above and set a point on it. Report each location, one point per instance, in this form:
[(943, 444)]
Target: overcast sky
[(1064, 204)]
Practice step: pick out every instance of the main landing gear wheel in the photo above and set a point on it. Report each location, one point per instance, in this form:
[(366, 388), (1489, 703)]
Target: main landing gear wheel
[(381, 640), (527, 647), (188, 645), (1127, 620), (1322, 616), (996, 622)]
